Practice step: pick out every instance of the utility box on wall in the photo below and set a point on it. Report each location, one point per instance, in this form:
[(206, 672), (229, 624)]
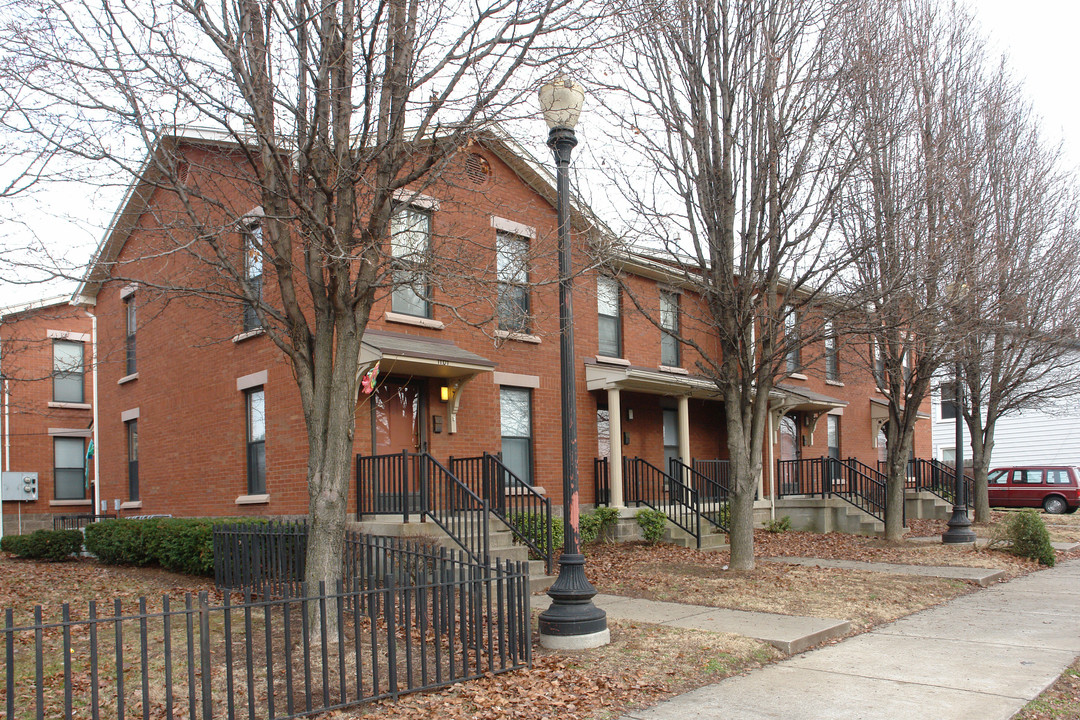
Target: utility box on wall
[(18, 486)]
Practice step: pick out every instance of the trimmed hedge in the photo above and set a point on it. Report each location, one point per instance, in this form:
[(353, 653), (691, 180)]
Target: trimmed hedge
[(50, 545), (184, 545)]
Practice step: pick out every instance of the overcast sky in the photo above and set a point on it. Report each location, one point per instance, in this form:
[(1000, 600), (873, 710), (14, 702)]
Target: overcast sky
[(1038, 36)]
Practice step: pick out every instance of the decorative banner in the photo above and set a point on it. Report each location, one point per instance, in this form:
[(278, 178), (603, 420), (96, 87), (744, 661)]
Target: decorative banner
[(367, 383)]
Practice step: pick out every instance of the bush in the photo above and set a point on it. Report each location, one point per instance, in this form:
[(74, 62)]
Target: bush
[(653, 523), (184, 545), (779, 526), (606, 521), (532, 526), (1027, 533), (50, 545)]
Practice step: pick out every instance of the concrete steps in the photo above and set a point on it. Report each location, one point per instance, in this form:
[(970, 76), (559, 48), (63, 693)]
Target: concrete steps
[(712, 539), (925, 505)]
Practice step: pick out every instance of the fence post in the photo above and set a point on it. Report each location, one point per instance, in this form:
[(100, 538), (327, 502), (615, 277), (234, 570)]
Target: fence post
[(391, 636), (403, 481), (204, 654)]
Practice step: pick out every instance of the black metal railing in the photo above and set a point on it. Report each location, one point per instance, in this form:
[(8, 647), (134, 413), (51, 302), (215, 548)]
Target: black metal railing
[(646, 484), (602, 481), (850, 480), (510, 499), (712, 496), (938, 478), (78, 522), (416, 483), (718, 472), (369, 639)]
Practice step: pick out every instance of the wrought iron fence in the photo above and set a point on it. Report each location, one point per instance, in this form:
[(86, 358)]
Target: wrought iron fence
[(648, 485), (78, 522), (277, 657)]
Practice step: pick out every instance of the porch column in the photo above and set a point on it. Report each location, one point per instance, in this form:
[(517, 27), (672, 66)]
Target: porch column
[(684, 429), (615, 498)]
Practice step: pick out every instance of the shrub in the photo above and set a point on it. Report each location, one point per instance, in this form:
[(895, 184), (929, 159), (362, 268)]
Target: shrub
[(779, 526), (607, 520), (1027, 533), (184, 545), (588, 527), (532, 526), (50, 545), (653, 523)]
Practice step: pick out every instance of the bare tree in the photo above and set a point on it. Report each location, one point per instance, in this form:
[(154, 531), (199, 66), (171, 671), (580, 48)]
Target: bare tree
[(915, 78), (733, 112), (329, 111), (1019, 240)]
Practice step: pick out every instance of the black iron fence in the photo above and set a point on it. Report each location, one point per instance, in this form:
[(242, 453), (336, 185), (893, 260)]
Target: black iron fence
[(602, 481), (646, 484), (78, 522), (206, 657), (712, 496), (417, 484), (850, 480), (510, 499)]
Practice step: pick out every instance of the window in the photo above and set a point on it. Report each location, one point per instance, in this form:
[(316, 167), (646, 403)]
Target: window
[(998, 477), (69, 468), (832, 354), (68, 371), (253, 274), (947, 405), (515, 407), (791, 340), (905, 365), (879, 364), (671, 436), (410, 244), (256, 441), (1058, 477), (1028, 477), (834, 435), (511, 258), (603, 432), (129, 333), (133, 458), (669, 321), (609, 324)]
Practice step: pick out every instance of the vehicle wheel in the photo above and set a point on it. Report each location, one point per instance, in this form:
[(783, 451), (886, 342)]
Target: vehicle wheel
[(1055, 505)]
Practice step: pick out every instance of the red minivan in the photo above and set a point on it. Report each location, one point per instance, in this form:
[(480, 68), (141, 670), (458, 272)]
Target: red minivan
[(1053, 488)]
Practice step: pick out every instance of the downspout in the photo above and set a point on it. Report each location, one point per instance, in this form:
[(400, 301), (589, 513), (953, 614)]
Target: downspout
[(94, 394)]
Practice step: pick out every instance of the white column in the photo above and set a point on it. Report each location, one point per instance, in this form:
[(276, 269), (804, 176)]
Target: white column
[(615, 499), (684, 430)]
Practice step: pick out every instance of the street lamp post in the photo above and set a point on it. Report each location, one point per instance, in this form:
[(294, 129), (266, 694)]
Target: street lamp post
[(572, 622), (959, 525)]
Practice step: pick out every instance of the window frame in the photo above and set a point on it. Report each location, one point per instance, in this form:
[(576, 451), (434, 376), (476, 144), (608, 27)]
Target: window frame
[(255, 448), (57, 469), (832, 353), (670, 352), (130, 328), (529, 455), (792, 356), (950, 401), (513, 287), (131, 430), (613, 321), (68, 373), (410, 263), (253, 274)]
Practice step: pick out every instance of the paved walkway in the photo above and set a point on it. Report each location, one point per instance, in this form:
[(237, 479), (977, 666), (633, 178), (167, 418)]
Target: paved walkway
[(982, 576), (983, 655)]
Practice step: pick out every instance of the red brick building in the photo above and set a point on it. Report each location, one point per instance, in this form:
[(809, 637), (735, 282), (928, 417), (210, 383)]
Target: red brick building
[(46, 412), (199, 413)]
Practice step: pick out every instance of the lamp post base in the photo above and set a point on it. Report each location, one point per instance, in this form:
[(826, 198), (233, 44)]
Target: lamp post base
[(572, 622), (959, 531)]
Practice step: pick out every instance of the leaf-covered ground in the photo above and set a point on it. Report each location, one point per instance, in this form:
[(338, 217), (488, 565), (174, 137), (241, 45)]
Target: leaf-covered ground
[(1060, 701)]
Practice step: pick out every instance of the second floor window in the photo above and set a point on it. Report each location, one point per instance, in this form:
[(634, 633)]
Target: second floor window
[(948, 400), (129, 334), (133, 458), (253, 275), (609, 323), (410, 245), (512, 268), (791, 340), (832, 353), (68, 371), (256, 440), (669, 335)]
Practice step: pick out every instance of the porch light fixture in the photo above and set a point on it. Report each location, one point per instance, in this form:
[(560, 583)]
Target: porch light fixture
[(445, 393), (572, 622)]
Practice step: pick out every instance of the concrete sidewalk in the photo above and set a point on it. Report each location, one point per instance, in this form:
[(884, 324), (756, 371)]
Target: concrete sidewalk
[(982, 576), (983, 655)]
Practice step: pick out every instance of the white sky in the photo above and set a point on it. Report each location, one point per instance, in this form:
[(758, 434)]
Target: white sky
[(1039, 37)]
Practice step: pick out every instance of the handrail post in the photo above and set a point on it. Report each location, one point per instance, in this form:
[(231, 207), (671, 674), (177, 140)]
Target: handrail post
[(404, 483)]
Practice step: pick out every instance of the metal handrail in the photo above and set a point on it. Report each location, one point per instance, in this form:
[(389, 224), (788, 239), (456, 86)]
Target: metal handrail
[(601, 481), (509, 498), (714, 511), (648, 485)]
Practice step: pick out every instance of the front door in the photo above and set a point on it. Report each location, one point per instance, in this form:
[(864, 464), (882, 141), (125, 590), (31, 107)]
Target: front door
[(789, 450), (396, 426)]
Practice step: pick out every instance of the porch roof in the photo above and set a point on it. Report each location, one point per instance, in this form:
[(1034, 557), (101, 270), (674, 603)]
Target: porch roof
[(797, 398), (879, 410), (420, 356), (652, 381)]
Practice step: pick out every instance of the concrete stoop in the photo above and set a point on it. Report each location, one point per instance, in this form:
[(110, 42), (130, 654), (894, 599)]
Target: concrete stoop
[(925, 505), (712, 539), (829, 514), (500, 543)]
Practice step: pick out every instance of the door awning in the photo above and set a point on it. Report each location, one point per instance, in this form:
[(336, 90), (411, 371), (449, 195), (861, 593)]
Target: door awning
[(403, 354), (813, 404), (652, 381), (879, 415)]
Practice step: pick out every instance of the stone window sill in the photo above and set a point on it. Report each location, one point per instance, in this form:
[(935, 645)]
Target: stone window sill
[(834, 383), (796, 376), (518, 337), (674, 370), (71, 503), (71, 405), (253, 499), (402, 318), (128, 378), (248, 335), (131, 505), (608, 360)]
